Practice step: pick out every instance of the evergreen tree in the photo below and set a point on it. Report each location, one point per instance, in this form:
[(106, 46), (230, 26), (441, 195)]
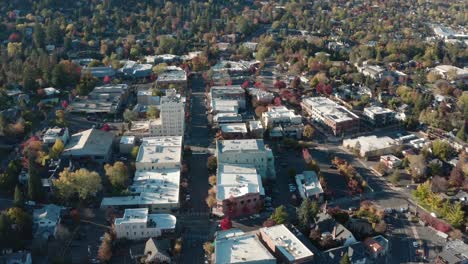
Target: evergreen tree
[(306, 214), (35, 191), (461, 134), (18, 197)]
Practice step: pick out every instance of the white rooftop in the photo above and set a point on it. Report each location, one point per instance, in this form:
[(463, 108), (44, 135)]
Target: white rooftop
[(159, 186), (280, 112), (376, 110), (160, 149), (329, 109), (241, 248), (237, 180), (309, 184), (141, 215), (172, 73), (370, 143), (287, 243), (233, 128), (241, 145), (255, 124)]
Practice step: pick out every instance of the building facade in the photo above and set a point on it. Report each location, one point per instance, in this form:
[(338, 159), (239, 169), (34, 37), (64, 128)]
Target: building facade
[(138, 224), (337, 118), (247, 151)]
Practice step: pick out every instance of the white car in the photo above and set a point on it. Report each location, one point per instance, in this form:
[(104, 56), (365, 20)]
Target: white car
[(415, 244)]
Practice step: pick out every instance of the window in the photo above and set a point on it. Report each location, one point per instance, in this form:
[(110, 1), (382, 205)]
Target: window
[(242, 202), (248, 200)]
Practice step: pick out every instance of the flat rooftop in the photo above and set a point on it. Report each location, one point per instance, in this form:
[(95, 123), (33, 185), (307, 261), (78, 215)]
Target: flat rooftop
[(237, 180), (287, 243), (255, 124), (240, 248), (91, 142), (172, 74), (141, 215), (376, 110), (233, 128), (280, 112), (369, 143), (127, 140), (159, 186), (329, 109), (160, 149), (219, 91), (241, 145)]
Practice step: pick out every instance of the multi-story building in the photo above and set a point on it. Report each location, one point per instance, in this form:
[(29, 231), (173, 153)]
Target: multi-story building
[(239, 190), (285, 245), (339, 119), (247, 151), (172, 116), (234, 246), (229, 92), (173, 77), (286, 120), (159, 153), (106, 99), (138, 224), (157, 190), (379, 116), (52, 134)]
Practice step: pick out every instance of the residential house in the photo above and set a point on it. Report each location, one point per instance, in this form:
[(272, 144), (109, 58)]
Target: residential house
[(309, 185), (46, 221), (52, 134)]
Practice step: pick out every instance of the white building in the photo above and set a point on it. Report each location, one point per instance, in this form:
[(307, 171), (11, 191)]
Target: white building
[(309, 185), (138, 224), (234, 246), (371, 146), (135, 69), (391, 161), (224, 106), (281, 241), (157, 190), (284, 120), (449, 71), (52, 134), (247, 151), (172, 116), (46, 221), (233, 130), (159, 153)]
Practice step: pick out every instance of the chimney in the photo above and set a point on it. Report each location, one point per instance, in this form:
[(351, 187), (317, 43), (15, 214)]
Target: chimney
[(334, 232)]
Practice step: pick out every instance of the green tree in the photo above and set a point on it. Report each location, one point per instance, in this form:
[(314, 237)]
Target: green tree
[(130, 115), (395, 177), (9, 178), (18, 198), (455, 215), (134, 152), (86, 84), (160, 68), (153, 112), (442, 149), (461, 134), (29, 78), (280, 215), (56, 149), (306, 214), (38, 36), (345, 259), (117, 174), (7, 236)]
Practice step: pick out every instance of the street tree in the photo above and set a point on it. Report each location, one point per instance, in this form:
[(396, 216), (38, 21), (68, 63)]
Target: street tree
[(81, 183), (212, 164), (130, 115), (22, 221), (345, 259), (308, 131), (105, 249), (56, 149), (280, 215)]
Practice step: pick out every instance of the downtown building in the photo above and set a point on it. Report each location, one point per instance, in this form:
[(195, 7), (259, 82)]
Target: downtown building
[(337, 118)]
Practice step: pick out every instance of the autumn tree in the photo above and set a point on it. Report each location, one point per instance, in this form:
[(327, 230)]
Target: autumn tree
[(345, 259), (22, 221), (56, 149), (208, 247), (212, 164), (18, 200), (212, 180), (308, 131), (105, 249), (418, 167), (117, 174), (130, 115), (86, 84), (81, 183), (442, 149), (60, 118)]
